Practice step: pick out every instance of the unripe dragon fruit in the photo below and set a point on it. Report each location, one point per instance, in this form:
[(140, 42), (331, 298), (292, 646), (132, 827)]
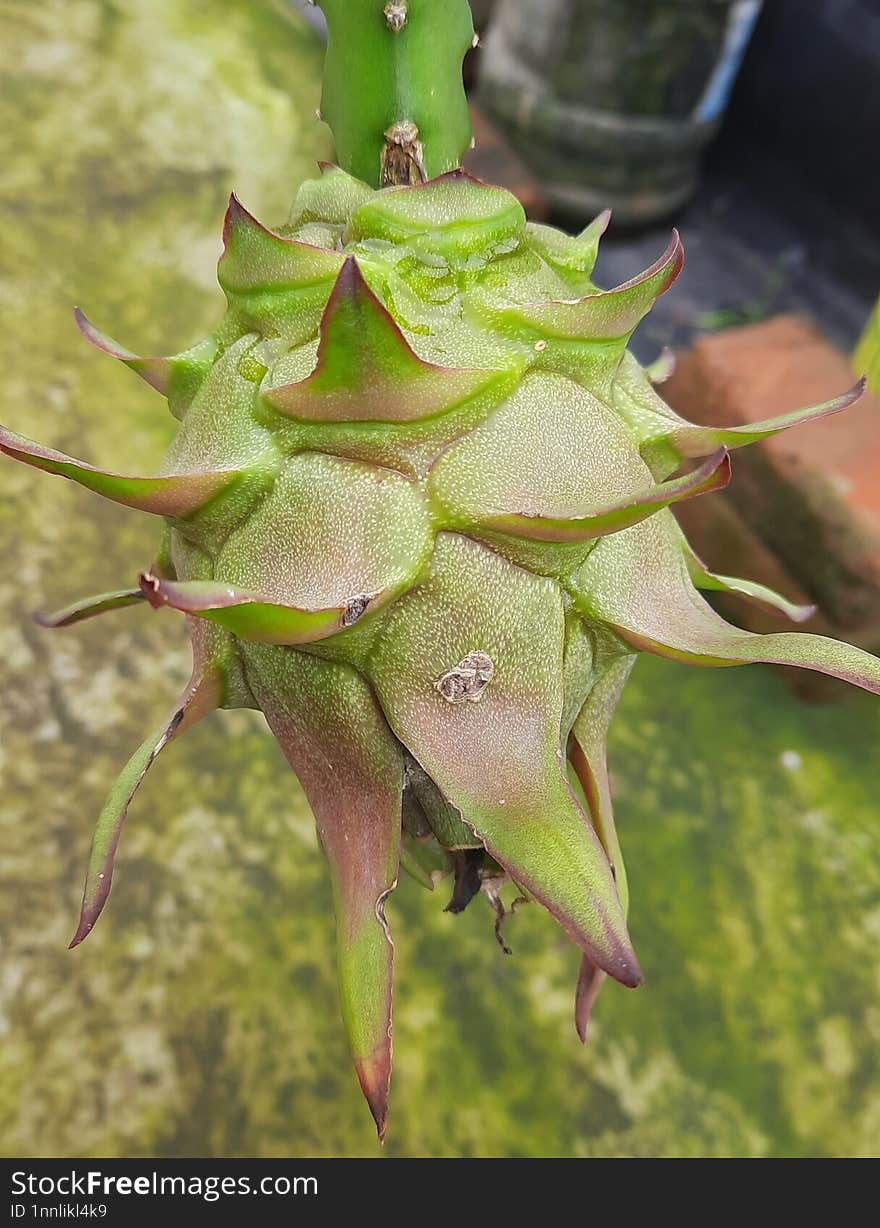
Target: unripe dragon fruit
[(417, 512)]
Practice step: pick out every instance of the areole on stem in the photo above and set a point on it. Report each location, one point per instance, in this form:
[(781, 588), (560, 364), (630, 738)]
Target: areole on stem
[(393, 92)]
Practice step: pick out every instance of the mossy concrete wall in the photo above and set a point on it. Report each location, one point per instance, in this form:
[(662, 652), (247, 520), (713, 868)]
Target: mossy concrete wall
[(201, 1016)]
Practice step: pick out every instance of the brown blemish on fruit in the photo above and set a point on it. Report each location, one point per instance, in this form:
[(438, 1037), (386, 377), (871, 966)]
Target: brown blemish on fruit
[(468, 680), (355, 609)]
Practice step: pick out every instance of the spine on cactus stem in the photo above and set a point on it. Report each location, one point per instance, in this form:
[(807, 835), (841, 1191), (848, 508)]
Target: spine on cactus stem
[(393, 92)]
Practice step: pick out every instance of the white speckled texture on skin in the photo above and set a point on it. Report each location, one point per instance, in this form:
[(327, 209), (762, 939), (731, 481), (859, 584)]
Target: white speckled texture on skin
[(330, 529), (549, 426), (499, 761), (645, 592)]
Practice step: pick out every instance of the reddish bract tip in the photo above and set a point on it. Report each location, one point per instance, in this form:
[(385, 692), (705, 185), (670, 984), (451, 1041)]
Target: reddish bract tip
[(90, 608), (87, 922), (374, 1076), (622, 963), (154, 371), (350, 284), (590, 981), (720, 470), (236, 214), (458, 175), (670, 263), (352, 379), (690, 439), (351, 289), (600, 223), (162, 495)]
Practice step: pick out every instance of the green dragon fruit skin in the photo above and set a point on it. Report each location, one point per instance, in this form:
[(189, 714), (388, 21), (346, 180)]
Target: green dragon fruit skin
[(417, 512)]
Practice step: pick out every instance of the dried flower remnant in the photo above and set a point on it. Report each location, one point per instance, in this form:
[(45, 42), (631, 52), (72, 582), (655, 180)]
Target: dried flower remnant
[(403, 158), (395, 16), (467, 682)]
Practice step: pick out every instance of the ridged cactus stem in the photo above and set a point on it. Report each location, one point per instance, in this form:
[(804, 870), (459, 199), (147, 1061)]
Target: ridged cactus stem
[(393, 92)]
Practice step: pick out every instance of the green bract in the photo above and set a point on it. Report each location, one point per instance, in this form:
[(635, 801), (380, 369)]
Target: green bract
[(417, 512)]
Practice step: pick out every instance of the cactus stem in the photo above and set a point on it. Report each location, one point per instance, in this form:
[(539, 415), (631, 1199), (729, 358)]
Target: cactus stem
[(393, 92)]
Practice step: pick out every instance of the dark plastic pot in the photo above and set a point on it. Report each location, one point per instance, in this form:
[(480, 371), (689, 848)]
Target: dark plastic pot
[(611, 102)]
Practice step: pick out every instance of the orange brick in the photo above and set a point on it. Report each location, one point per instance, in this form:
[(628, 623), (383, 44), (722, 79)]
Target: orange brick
[(725, 542), (810, 496)]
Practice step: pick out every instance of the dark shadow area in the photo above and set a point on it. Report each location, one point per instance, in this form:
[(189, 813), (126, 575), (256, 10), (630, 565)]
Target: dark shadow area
[(787, 217)]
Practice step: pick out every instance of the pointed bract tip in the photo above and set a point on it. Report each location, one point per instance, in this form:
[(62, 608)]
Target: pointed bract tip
[(713, 474), (95, 337), (847, 399), (615, 954), (720, 465), (674, 253), (82, 931), (691, 439), (90, 608), (234, 207), (352, 288), (99, 339), (350, 277), (662, 368), (374, 1076), (88, 917), (154, 371), (759, 594), (600, 223), (590, 981), (625, 968), (457, 175), (236, 212), (670, 263)]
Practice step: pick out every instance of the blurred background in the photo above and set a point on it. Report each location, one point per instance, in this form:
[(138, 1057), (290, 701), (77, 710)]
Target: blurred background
[(201, 1017)]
